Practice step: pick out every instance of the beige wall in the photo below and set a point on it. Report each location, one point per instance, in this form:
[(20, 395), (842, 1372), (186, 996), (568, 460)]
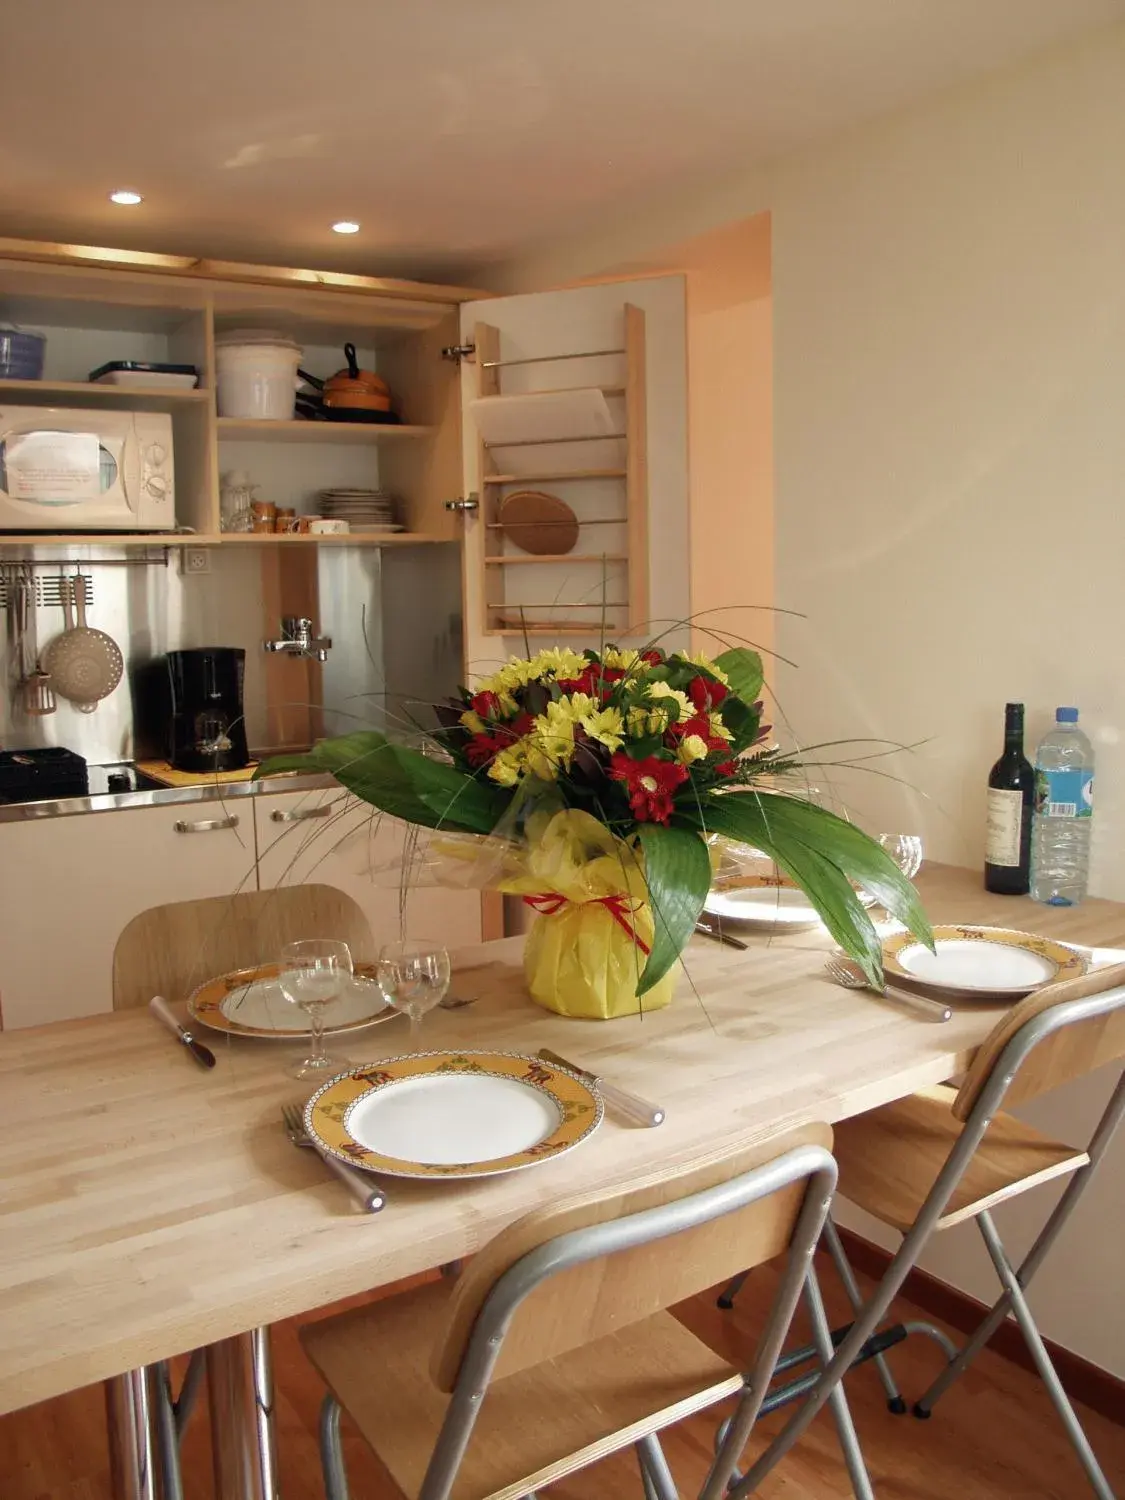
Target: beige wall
[(949, 388)]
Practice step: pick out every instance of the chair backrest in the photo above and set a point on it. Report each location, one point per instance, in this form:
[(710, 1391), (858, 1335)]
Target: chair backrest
[(1073, 1050), (170, 950), (588, 1301)]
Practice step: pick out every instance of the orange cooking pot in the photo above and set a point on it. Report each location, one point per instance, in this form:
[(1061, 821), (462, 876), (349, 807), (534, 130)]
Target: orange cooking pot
[(356, 389)]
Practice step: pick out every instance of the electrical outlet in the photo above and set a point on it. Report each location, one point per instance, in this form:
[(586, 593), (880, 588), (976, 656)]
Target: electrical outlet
[(195, 560)]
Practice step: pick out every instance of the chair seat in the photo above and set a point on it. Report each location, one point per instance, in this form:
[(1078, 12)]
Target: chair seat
[(534, 1426), (890, 1158)]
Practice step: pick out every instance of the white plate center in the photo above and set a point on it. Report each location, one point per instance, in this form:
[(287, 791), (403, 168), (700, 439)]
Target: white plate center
[(977, 965), (781, 903), (261, 1005), (449, 1119)]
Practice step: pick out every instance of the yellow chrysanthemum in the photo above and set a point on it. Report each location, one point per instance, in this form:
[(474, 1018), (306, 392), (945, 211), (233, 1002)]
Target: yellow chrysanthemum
[(473, 722), (558, 662), (613, 656), (691, 748), (551, 741), (698, 659), (508, 766), (605, 725), (662, 690), (718, 728)]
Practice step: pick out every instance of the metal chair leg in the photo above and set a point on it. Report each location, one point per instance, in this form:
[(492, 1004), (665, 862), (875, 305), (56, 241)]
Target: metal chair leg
[(895, 1401), (646, 1478), (167, 1435), (190, 1387), (132, 1440), (841, 1412), (654, 1467), (1047, 1372), (331, 1452), (726, 1297)]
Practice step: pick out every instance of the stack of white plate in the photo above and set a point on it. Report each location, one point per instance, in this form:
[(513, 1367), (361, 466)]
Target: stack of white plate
[(364, 510)]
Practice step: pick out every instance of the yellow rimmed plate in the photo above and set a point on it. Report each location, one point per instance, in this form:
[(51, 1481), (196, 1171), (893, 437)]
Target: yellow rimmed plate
[(452, 1114), (249, 1002), (989, 962), (769, 903)]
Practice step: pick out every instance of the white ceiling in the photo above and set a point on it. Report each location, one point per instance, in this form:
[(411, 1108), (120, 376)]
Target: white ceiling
[(459, 132)]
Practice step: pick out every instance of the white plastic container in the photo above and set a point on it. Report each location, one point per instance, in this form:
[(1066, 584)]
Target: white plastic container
[(256, 375)]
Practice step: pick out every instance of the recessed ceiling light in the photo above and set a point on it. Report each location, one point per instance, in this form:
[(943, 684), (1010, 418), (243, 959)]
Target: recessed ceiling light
[(126, 197), (346, 226)]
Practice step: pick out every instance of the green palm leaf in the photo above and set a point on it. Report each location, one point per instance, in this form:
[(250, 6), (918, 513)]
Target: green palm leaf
[(678, 876)]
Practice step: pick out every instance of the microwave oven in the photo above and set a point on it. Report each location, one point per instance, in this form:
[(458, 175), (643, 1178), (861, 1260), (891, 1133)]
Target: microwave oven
[(68, 470)]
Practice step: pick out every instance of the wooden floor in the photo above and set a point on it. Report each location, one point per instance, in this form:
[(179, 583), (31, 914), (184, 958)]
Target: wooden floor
[(994, 1435)]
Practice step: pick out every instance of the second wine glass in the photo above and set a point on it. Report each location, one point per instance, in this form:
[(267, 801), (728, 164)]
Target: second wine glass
[(313, 974), (414, 976)]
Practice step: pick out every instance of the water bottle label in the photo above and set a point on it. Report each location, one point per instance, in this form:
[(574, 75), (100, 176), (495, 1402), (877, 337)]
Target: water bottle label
[(1064, 794)]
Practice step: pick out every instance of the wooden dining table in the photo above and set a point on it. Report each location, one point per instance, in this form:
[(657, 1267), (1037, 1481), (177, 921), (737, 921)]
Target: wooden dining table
[(151, 1207)]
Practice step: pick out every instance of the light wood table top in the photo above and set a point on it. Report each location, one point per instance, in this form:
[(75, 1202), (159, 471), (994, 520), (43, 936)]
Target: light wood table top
[(149, 1207)]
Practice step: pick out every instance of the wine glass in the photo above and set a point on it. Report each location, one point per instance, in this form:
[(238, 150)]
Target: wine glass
[(906, 851), (313, 974), (413, 976)]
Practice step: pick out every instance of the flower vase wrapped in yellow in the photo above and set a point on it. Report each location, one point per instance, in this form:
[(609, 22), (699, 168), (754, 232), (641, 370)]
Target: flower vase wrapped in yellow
[(586, 952), (593, 783)]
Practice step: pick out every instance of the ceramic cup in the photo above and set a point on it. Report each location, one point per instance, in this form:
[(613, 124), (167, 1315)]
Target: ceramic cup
[(329, 528)]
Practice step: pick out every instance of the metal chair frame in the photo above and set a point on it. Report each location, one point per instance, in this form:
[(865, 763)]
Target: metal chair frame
[(810, 1163), (1013, 1280)]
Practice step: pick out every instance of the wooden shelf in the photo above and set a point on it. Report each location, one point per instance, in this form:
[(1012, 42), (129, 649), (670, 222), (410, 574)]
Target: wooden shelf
[(244, 430), (556, 558), (557, 474), (304, 539), (565, 627), (102, 539), (84, 393)]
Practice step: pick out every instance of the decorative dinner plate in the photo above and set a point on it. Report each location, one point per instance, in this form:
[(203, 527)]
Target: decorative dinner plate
[(452, 1114), (767, 902), (987, 961), (249, 1002)]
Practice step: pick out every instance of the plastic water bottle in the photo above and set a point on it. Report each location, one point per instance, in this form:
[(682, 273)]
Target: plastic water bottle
[(1064, 806)]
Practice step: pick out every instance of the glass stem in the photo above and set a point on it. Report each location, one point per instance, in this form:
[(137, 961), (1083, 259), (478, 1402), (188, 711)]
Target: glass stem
[(415, 1023), (316, 1018)]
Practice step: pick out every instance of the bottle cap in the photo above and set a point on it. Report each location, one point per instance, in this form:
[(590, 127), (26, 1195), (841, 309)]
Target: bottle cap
[(1066, 716)]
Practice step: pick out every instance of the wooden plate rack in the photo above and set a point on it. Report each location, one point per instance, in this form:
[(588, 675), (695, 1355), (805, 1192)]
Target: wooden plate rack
[(602, 585)]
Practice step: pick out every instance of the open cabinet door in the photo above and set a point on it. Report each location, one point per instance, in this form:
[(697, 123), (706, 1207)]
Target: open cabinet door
[(580, 531)]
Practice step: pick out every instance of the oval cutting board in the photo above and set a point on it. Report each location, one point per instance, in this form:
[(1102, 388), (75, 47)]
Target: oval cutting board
[(539, 523)]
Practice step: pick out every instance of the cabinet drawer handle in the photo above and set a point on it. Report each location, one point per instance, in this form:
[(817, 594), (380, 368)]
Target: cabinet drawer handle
[(300, 814), (207, 825)]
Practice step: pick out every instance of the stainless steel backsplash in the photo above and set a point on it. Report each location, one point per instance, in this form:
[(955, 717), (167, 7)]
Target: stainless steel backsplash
[(394, 618)]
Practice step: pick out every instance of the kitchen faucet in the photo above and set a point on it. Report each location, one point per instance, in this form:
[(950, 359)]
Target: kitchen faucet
[(297, 639)]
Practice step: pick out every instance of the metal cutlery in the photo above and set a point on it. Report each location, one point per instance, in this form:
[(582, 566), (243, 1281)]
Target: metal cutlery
[(851, 977), (363, 1188), (632, 1106), (717, 935), (163, 1013)]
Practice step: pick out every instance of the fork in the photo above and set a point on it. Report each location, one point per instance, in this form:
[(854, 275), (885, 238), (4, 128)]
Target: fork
[(366, 1192), (852, 979)]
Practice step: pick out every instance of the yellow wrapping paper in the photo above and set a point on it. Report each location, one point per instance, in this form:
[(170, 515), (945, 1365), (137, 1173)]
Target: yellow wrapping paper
[(584, 956)]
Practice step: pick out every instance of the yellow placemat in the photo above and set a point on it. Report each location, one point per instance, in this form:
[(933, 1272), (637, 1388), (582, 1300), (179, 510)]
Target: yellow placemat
[(161, 771)]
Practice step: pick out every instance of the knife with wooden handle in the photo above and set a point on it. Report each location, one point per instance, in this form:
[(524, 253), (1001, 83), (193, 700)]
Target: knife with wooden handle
[(632, 1106), (163, 1013)]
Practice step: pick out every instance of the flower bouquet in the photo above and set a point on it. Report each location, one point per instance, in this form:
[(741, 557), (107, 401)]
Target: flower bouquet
[(596, 785)]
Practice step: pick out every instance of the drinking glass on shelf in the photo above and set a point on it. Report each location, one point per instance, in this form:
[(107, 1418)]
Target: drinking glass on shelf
[(314, 973), (414, 977)]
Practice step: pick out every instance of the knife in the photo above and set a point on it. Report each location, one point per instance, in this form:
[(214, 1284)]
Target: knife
[(717, 935), (630, 1105), (163, 1013)]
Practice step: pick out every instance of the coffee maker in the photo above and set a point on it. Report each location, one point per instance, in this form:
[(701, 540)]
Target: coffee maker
[(208, 722)]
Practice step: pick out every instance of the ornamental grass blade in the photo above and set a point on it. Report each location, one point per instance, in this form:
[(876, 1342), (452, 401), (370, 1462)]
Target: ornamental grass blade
[(678, 876)]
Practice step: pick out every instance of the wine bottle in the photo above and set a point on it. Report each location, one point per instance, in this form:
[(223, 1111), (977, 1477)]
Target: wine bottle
[(1011, 799)]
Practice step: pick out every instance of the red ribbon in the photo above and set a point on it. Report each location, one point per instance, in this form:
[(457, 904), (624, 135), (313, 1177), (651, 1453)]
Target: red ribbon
[(620, 908)]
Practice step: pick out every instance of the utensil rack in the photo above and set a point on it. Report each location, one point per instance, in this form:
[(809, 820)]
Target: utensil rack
[(46, 577), (599, 591)]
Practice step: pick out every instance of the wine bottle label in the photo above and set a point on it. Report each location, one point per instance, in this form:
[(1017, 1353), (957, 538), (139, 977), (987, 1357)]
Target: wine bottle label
[(1005, 817), (1064, 794)]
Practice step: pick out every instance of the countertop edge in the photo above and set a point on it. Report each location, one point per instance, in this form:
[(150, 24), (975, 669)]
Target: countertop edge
[(165, 796)]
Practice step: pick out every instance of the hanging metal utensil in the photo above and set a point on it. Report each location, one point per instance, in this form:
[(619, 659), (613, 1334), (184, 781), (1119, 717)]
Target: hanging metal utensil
[(85, 665)]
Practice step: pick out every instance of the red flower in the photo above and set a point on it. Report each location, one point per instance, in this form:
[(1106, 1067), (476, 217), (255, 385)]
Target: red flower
[(515, 729), (653, 657), (486, 704), (726, 768), (482, 749), (705, 694), (649, 784), (595, 680)]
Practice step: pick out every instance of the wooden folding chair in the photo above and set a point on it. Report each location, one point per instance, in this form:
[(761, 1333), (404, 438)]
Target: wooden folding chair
[(945, 1156), (555, 1348), (169, 950)]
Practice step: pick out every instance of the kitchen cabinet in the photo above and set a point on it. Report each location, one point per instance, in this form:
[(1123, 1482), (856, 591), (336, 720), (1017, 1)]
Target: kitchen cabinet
[(68, 886), (333, 838)]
